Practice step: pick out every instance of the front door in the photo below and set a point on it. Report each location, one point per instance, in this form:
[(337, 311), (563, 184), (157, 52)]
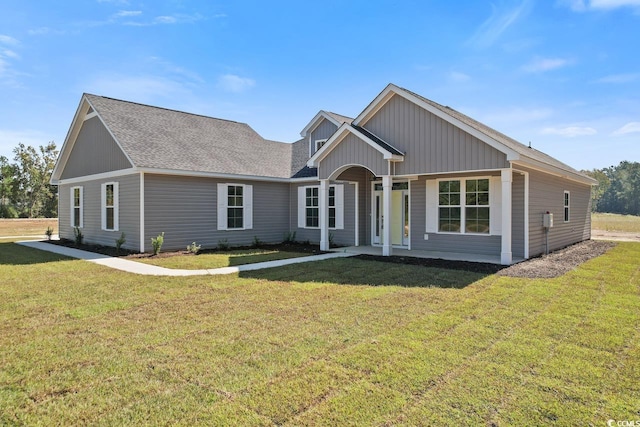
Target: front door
[(399, 214)]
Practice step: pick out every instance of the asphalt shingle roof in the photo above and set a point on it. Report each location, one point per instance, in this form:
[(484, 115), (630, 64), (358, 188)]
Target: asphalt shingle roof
[(390, 148), (339, 117), (159, 138)]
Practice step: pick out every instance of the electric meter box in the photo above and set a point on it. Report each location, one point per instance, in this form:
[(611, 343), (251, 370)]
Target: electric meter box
[(547, 220)]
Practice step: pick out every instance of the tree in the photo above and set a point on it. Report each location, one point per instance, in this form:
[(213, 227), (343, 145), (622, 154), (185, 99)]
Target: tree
[(31, 193), (623, 194), (597, 191), (7, 174)]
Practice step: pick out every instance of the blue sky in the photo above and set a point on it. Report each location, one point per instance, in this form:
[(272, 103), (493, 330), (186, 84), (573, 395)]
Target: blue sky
[(564, 75)]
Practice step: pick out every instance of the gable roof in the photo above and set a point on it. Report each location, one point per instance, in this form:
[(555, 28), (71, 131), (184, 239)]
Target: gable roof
[(336, 119), (516, 151), (159, 138)]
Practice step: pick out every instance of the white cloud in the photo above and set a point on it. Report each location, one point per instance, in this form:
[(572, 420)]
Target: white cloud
[(459, 77), (165, 19), (10, 138), (570, 131), (516, 115), (619, 78), (128, 13), (499, 21), (236, 84), (8, 40), (7, 73), (144, 88), (539, 65), (9, 54), (632, 127), (585, 5)]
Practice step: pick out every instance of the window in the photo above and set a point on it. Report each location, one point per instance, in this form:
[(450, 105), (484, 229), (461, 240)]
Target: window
[(567, 200), (320, 143), (77, 203), (468, 214), (235, 206), (312, 209), (110, 206), (309, 206)]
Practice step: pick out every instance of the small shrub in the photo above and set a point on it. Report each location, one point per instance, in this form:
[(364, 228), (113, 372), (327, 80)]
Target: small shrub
[(331, 239), (223, 244), (156, 243), (119, 242), (256, 242), (78, 236), (49, 233), (290, 237), (194, 248)]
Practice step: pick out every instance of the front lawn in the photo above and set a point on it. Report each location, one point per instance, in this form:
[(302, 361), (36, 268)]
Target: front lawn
[(339, 342), (615, 222), (218, 259)]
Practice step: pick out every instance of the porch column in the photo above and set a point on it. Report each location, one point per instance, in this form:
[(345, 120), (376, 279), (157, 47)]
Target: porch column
[(386, 212), (506, 255), (323, 214)]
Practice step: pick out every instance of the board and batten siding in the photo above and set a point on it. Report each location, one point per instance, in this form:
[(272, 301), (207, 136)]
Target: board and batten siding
[(343, 237), (352, 151), (185, 209), (323, 131), (363, 177), (430, 144), (546, 193), (128, 211), (95, 151), (444, 242)]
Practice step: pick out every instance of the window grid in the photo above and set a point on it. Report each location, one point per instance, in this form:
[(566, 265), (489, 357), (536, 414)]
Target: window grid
[(567, 200), (77, 206), (109, 207), (312, 208), (468, 214), (235, 206)]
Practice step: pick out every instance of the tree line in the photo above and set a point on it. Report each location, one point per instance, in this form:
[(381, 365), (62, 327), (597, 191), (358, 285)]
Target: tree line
[(618, 189), (25, 191)]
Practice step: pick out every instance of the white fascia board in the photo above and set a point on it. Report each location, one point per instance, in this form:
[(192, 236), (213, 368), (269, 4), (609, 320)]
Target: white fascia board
[(308, 179), (553, 170), (392, 89), (316, 121), (104, 175), (67, 145), (159, 171)]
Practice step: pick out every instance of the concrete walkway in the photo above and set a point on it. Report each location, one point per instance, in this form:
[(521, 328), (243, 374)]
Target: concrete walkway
[(153, 270)]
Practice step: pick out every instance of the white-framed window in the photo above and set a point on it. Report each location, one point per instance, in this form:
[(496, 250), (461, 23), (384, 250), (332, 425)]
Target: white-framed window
[(77, 207), (464, 206), (109, 208), (309, 206), (319, 143), (235, 206), (567, 203)]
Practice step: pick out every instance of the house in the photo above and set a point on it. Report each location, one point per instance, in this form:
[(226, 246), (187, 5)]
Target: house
[(406, 173)]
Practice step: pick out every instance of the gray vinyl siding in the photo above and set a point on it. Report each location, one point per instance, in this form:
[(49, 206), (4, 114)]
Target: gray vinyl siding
[(485, 245), (363, 178), (128, 212), (185, 209), (95, 151), (353, 151), (546, 193), (343, 237), (430, 144), (517, 215), (323, 131)]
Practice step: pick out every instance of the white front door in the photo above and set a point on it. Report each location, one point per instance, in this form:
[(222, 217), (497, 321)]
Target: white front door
[(399, 215)]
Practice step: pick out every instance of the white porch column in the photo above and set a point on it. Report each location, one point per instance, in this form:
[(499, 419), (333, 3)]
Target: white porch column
[(323, 214), (507, 179), (386, 212)]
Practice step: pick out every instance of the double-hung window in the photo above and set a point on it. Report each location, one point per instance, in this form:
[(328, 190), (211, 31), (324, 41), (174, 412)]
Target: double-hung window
[(332, 207), (463, 206), (110, 206), (309, 206), (312, 209), (77, 206), (235, 206), (567, 201)]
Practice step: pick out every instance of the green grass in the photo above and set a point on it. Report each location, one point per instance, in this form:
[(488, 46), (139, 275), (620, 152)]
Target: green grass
[(615, 222), (220, 259), (317, 344)]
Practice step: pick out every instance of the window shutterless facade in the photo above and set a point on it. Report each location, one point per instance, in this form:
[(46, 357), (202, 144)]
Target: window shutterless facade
[(567, 202), (235, 206), (463, 206), (77, 207), (109, 209)]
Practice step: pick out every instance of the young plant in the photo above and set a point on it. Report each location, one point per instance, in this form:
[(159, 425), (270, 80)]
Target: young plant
[(194, 248), (156, 243), (49, 233), (223, 244), (256, 242), (78, 236), (331, 239), (290, 237), (119, 242)]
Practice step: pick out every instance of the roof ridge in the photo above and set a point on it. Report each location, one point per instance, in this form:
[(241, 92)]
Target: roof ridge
[(167, 109)]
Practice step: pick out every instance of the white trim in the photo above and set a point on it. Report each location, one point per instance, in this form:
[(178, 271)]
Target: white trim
[(81, 206), (338, 200), (553, 170), (97, 176), (178, 172), (526, 215), (142, 212), (356, 236), (506, 254), (312, 125), (319, 141), (410, 216), (463, 205), (90, 115), (566, 207), (387, 182), (392, 89), (223, 204), (323, 214), (103, 206)]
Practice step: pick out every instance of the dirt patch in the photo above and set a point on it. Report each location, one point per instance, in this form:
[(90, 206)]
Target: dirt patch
[(559, 262), (618, 236), (553, 265)]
